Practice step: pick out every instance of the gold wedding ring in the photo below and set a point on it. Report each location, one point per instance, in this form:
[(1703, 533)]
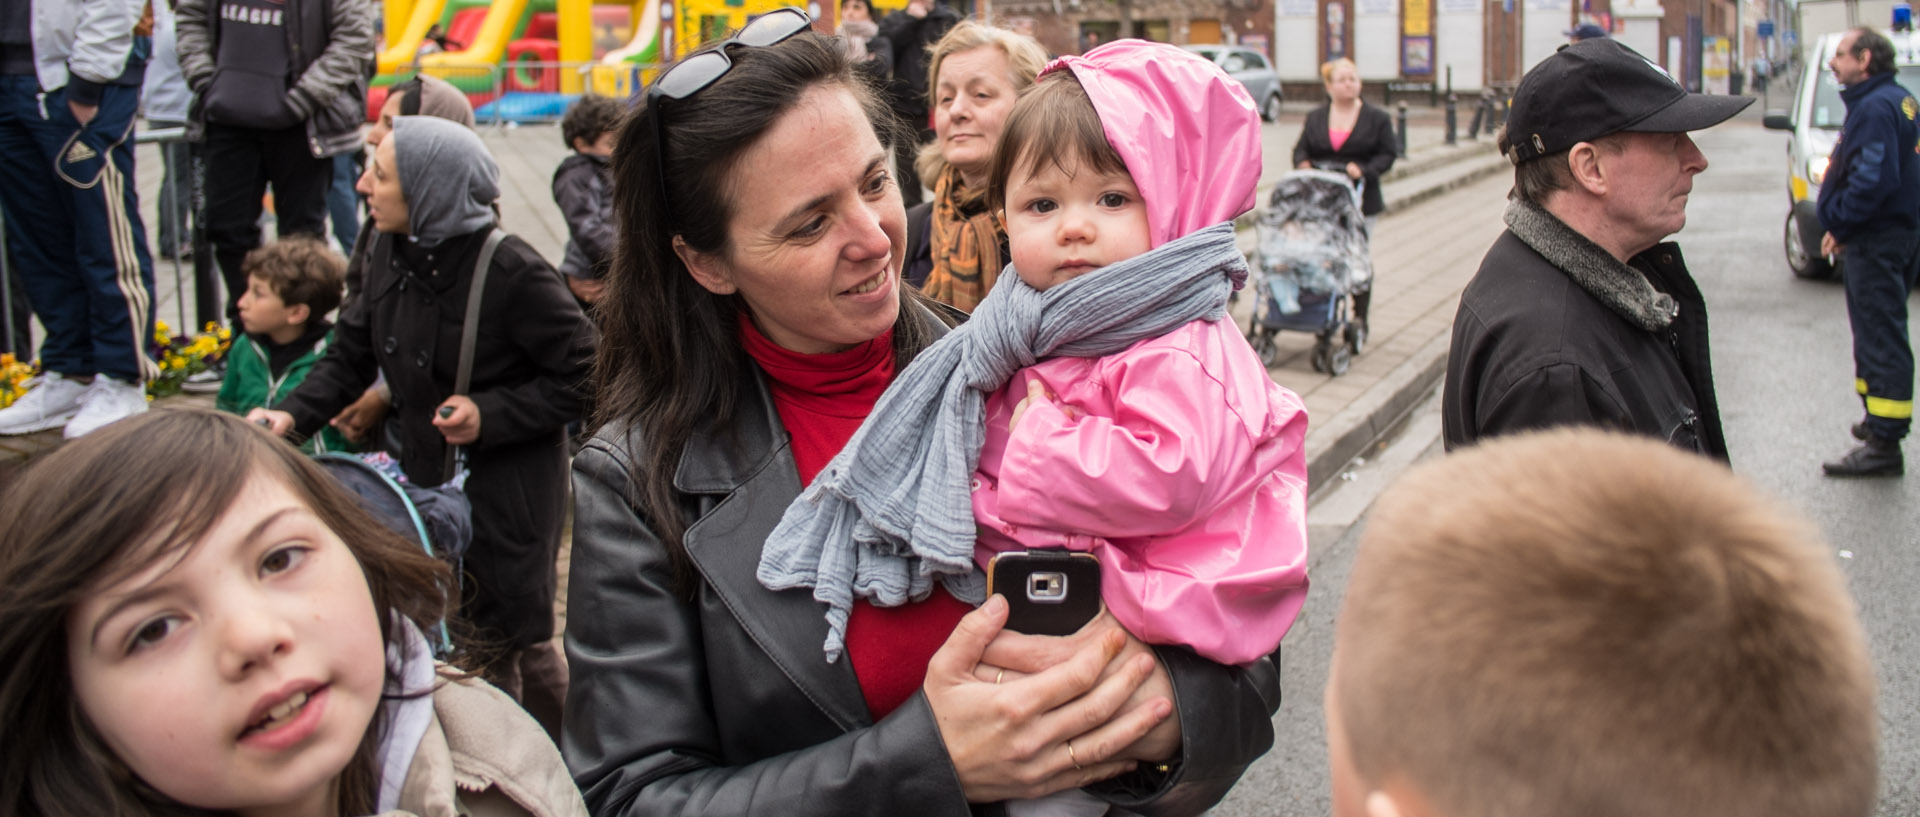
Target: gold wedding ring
[(1000, 675), (1073, 759)]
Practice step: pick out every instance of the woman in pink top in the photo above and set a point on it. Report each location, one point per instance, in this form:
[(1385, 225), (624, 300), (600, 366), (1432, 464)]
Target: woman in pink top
[(1176, 461), (1349, 136)]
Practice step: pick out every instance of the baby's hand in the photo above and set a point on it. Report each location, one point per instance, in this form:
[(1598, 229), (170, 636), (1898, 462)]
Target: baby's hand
[(1036, 393)]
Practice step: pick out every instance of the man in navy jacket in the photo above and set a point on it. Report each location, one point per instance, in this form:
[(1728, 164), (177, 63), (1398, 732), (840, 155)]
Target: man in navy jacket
[(1870, 207)]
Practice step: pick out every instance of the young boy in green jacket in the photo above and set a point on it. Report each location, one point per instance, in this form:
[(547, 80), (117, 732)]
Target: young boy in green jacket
[(292, 284)]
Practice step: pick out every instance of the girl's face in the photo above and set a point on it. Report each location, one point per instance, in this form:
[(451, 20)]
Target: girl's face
[(239, 673), (974, 94), (814, 253), (856, 11), (1062, 224)]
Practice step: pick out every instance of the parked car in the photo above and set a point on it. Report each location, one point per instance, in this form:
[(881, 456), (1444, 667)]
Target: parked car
[(1815, 125), (1252, 69)]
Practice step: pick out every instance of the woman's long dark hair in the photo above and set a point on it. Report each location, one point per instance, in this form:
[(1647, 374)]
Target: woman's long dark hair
[(96, 511), (670, 363)]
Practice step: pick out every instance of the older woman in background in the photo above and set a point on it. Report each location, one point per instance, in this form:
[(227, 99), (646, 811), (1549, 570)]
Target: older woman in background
[(955, 247)]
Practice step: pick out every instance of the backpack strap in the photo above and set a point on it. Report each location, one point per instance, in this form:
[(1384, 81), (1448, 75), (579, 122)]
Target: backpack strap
[(469, 333)]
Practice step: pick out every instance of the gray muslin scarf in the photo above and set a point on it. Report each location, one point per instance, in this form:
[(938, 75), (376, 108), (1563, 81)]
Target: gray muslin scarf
[(892, 513), (449, 178)]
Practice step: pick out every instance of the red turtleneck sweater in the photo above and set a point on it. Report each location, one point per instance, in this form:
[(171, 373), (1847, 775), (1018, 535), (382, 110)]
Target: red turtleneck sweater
[(821, 400)]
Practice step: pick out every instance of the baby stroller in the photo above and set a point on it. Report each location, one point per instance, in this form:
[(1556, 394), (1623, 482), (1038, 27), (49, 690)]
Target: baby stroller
[(1312, 256), (439, 520)]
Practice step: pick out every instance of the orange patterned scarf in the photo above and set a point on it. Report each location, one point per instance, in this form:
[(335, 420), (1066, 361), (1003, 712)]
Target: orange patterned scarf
[(965, 244)]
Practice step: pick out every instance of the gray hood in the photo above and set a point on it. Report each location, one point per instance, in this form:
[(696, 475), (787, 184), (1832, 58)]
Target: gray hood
[(449, 179)]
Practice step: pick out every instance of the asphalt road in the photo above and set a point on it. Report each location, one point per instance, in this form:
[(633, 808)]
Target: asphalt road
[(1784, 374)]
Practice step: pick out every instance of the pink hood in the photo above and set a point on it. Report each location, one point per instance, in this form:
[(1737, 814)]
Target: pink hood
[(1190, 134)]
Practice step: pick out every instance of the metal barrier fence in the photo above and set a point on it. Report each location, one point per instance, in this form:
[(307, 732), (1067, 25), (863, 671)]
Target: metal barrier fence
[(525, 91), (178, 223)]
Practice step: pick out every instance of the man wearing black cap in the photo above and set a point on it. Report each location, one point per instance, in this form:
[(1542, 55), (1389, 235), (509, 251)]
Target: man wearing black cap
[(1870, 206), (1579, 315), (1585, 31)]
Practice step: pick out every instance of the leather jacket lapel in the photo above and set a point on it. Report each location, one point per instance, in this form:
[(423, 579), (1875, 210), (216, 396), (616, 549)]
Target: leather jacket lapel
[(758, 478)]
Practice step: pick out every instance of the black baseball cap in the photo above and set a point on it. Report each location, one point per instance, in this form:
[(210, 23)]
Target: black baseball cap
[(1594, 88)]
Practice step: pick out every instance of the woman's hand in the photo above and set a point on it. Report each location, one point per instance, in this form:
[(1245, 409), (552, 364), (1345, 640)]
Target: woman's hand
[(1013, 655), (1354, 172), (1039, 733), (1304, 166), (461, 425), (278, 422), (362, 415)]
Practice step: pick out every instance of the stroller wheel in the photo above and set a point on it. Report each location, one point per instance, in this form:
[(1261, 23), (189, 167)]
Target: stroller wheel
[(1264, 347), (1322, 356), (1338, 358)]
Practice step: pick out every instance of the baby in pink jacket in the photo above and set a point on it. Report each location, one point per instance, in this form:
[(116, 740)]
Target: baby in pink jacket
[(1178, 461)]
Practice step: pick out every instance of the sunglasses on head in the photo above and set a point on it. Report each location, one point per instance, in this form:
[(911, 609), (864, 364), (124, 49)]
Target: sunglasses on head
[(693, 74)]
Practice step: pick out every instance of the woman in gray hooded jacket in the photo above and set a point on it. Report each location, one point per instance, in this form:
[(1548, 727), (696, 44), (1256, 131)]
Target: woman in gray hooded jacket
[(429, 190)]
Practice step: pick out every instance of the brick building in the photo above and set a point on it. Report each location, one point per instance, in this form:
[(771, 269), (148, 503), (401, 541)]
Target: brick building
[(1070, 26)]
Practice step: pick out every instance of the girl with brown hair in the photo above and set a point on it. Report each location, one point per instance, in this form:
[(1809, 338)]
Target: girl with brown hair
[(250, 642)]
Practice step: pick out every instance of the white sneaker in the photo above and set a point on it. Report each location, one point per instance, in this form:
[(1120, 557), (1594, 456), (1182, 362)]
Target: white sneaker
[(107, 399), (50, 404)]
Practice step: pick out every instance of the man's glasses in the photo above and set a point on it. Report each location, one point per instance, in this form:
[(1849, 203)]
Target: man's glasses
[(693, 74)]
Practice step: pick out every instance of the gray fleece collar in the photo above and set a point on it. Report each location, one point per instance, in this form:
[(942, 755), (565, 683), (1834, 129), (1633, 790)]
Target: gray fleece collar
[(1622, 288)]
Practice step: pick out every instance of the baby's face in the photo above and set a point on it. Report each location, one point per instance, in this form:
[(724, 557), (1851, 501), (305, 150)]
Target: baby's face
[(1065, 223)]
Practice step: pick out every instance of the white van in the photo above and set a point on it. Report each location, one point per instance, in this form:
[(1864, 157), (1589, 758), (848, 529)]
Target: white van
[(1815, 124)]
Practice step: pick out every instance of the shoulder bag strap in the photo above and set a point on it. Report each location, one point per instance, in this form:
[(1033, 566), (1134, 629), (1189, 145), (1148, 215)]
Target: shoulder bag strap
[(469, 332)]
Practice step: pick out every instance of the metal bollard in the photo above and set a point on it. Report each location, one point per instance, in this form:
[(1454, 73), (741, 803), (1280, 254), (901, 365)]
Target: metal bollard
[(1403, 127), (1453, 119)]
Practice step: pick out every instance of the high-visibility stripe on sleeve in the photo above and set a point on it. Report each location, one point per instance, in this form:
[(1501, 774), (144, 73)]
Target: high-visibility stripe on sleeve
[(1890, 409), (1860, 385)]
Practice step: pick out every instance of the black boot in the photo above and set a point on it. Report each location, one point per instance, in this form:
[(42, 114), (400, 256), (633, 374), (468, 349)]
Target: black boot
[(1876, 457), (1860, 431)]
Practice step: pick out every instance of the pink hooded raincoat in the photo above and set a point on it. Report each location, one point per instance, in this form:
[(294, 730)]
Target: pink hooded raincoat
[(1177, 462)]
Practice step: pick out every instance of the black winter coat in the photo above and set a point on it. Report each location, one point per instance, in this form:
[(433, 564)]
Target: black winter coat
[(583, 187), (1536, 346), (908, 38), (723, 705), (1372, 145), (530, 362)]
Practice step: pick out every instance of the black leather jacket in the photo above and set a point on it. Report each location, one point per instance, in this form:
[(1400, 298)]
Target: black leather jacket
[(724, 706)]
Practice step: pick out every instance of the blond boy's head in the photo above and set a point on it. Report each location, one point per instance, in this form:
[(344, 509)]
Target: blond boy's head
[(1583, 623)]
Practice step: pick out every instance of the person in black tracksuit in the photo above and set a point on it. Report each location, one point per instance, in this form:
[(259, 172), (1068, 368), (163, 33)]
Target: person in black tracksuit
[(909, 33), (1870, 207)]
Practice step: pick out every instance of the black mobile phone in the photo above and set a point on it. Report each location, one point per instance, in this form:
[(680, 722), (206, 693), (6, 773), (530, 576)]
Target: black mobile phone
[(1049, 592)]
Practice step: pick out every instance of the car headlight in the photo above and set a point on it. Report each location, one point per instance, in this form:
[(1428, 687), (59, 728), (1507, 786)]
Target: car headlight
[(1817, 169)]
